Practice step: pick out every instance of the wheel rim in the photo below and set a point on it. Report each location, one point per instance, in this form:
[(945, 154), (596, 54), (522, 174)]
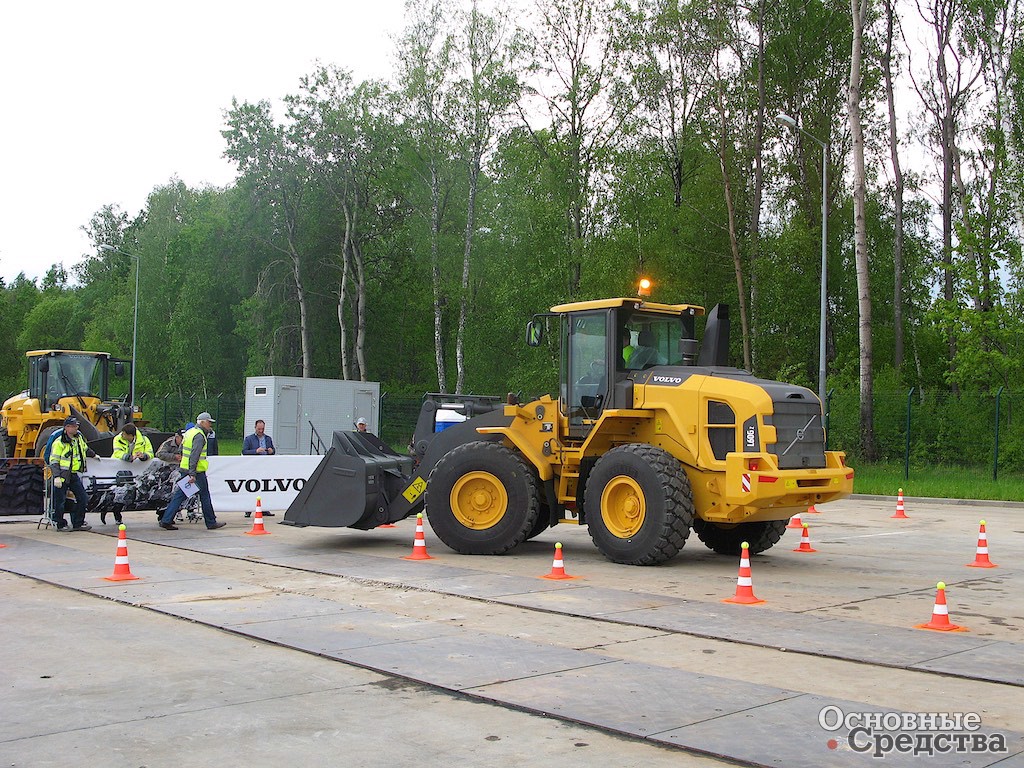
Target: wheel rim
[(623, 507), (479, 500)]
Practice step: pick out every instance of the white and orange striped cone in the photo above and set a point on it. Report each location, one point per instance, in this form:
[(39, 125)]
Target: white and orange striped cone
[(940, 614), (795, 522), (419, 544), (558, 567), (901, 513), (744, 582), (805, 541), (122, 571), (981, 556), (812, 511), (257, 523)]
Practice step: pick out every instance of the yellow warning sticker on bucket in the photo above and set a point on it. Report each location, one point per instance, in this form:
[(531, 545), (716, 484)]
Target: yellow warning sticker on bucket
[(414, 491)]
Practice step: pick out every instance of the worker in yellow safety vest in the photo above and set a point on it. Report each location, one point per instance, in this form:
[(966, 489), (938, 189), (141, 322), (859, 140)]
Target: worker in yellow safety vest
[(193, 470), (67, 462), (130, 444)]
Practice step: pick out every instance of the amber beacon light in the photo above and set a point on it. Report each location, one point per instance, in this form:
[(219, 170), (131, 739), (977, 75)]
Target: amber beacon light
[(643, 288)]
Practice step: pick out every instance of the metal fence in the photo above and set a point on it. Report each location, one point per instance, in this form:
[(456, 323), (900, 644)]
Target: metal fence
[(934, 428), (172, 412)]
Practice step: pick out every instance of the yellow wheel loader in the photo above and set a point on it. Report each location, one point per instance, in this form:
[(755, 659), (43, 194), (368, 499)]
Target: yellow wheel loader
[(651, 436), (61, 383)]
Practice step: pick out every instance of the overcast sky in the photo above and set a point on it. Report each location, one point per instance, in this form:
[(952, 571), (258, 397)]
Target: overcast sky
[(103, 101)]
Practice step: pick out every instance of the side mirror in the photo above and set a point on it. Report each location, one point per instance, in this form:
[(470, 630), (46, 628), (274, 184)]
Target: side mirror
[(119, 369), (44, 365), (534, 333)]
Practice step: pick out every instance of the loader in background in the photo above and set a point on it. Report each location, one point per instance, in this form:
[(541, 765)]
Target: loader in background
[(61, 383), (651, 436)]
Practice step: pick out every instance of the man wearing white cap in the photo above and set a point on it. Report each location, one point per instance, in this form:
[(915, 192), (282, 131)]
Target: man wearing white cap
[(361, 424), (194, 466)]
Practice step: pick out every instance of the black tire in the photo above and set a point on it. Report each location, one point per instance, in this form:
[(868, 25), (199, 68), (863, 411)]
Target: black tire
[(726, 540), (44, 436), (482, 499), (22, 491), (6, 444), (638, 505), (542, 524)]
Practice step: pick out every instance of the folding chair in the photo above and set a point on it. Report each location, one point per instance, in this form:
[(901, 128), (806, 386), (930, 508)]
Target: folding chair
[(47, 518)]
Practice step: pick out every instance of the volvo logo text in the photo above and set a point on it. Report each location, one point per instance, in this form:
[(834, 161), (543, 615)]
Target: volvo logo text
[(266, 485), (666, 380)]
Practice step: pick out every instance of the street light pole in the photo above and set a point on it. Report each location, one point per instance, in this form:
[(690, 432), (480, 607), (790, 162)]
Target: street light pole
[(135, 323), (791, 122)]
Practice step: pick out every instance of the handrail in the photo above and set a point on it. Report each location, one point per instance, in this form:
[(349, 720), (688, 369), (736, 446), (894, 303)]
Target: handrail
[(318, 446)]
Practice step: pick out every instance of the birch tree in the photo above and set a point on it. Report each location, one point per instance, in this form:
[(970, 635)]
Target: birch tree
[(859, 10), (268, 155)]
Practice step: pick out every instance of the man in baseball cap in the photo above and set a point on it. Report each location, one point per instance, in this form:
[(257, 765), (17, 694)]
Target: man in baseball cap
[(361, 424), (194, 465)]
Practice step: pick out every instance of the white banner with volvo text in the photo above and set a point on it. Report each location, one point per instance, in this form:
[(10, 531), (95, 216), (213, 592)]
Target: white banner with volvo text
[(236, 481)]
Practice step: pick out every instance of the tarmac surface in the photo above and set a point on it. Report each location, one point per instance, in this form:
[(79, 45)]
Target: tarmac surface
[(311, 643)]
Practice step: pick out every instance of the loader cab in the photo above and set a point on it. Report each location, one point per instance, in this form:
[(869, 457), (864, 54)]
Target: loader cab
[(603, 345), (57, 374)]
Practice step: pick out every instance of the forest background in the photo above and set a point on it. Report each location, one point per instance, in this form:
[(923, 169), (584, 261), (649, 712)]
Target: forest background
[(404, 231)]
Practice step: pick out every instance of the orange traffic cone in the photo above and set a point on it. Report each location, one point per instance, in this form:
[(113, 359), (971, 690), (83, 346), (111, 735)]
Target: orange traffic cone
[(940, 614), (419, 544), (387, 525), (812, 511), (257, 523), (558, 567), (900, 512), (122, 571), (744, 583), (795, 522), (805, 541), (981, 557)]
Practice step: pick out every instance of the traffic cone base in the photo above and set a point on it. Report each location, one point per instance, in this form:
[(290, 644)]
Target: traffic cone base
[(122, 571), (940, 614), (744, 582), (981, 556), (812, 510), (558, 567), (901, 513), (795, 522), (387, 525), (419, 544)]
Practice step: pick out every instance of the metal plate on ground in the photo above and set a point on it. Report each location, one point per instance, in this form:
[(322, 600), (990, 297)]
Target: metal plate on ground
[(471, 659), (333, 635), (634, 698), (787, 734), (274, 606), (998, 660), (590, 601), (189, 587), (838, 638), (488, 585)]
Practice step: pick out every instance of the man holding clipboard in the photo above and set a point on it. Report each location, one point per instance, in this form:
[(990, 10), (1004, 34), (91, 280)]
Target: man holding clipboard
[(193, 468)]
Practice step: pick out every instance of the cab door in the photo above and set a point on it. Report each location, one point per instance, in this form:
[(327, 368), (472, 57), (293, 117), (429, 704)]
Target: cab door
[(585, 377)]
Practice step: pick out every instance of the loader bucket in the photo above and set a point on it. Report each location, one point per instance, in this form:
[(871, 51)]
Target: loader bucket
[(352, 487)]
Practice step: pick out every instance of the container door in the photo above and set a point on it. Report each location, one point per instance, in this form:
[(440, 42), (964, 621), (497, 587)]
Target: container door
[(286, 425), (366, 406)]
